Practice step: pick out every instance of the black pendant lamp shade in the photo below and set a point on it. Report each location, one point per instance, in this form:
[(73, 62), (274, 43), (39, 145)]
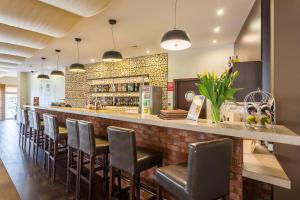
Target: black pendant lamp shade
[(43, 76), (57, 73), (77, 67), (113, 55), (175, 40)]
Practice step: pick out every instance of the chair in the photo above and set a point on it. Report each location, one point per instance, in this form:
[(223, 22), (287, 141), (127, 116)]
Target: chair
[(25, 126), (38, 135), (125, 156), (31, 138), (57, 143), (20, 123), (73, 152), (90, 146), (206, 176), (46, 141)]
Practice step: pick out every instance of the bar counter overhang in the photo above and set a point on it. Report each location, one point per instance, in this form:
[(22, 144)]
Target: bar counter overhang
[(171, 137)]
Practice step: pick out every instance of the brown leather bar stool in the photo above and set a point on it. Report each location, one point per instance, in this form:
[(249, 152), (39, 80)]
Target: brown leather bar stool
[(206, 176), (20, 123), (31, 128), (125, 156), (73, 152), (90, 146), (38, 129), (57, 143), (46, 143), (25, 126)]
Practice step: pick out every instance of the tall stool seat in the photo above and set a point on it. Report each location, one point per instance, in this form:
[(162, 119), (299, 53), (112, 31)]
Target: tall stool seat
[(125, 156), (206, 176), (38, 134), (31, 131), (73, 153), (25, 126), (57, 143), (89, 148)]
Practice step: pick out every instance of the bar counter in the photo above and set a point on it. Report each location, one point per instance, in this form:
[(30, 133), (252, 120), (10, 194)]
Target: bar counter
[(172, 137)]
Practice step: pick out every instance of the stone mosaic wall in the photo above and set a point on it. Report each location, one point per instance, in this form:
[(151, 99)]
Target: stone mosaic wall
[(155, 66)]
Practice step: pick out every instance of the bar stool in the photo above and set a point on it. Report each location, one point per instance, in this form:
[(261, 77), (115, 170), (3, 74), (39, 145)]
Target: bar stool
[(25, 125), (20, 123), (73, 152), (46, 143), (31, 130), (92, 147), (38, 141), (125, 156), (57, 143), (206, 175)]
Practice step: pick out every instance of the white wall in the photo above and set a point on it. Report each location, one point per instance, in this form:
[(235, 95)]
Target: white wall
[(47, 90), (190, 62)]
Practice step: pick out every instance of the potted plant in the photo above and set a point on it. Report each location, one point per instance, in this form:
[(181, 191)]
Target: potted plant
[(217, 90)]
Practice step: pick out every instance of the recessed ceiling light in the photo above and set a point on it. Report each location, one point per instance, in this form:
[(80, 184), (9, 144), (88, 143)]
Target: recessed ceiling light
[(148, 52), (217, 29), (220, 12), (214, 41), (92, 60)]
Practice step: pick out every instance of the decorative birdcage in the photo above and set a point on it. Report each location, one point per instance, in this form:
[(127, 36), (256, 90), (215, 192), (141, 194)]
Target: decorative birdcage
[(259, 109)]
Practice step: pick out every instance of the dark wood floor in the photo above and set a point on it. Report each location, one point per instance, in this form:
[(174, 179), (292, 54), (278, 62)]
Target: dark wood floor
[(28, 178)]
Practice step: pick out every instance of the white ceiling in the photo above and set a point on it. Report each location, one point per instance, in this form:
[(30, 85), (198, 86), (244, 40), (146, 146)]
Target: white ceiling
[(142, 23)]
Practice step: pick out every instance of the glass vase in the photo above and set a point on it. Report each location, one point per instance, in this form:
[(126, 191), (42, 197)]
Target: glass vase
[(215, 114)]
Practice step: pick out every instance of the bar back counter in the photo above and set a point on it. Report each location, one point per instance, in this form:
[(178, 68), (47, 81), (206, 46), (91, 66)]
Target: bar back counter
[(171, 137)]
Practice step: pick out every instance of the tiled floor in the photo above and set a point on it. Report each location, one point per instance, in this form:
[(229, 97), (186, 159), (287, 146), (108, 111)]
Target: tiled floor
[(28, 178)]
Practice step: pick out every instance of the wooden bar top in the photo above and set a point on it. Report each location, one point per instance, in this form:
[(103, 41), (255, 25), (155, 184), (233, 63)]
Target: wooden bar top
[(277, 134)]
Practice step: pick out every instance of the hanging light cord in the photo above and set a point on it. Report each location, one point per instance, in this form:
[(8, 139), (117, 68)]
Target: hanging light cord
[(57, 60), (175, 15), (42, 66), (113, 37), (77, 52)]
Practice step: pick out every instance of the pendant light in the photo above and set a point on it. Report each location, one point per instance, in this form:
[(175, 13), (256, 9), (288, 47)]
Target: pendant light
[(42, 76), (77, 67), (57, 72), (113, 55), (175, 40)]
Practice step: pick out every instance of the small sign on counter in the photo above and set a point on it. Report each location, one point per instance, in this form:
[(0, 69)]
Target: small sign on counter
[(196, 107)]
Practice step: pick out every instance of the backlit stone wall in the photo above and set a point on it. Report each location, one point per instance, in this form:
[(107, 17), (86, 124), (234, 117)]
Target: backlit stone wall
[(154, 66)]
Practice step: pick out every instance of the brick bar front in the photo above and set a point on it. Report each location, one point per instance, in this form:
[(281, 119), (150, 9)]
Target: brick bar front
[(173, 143)]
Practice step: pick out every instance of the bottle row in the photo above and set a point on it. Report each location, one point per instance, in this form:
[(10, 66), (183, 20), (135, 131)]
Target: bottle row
[(119, 101), (122, 87)]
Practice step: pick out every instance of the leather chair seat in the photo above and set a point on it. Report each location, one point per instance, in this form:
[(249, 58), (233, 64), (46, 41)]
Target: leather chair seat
[(63, 133), (147, 158), (173, 178), (102, 146)]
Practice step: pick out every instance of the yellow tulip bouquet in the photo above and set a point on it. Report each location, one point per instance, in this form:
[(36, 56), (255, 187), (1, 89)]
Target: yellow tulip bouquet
[(217, 90)]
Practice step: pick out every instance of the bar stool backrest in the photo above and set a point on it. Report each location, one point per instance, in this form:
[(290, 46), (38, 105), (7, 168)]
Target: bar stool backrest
[(209, 169), (30, 118), (36, 121), (73, 134), (25, 120), (86, 137), (46, 124), (53, 127), (122, 148), (19, 116)]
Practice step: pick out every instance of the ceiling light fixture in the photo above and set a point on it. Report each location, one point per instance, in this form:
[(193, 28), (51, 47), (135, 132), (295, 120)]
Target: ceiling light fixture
[(175, 40), (113, 55), (148, 52), (42, 76), (220, 12), (92, 60), (217, 29), (77, 67), (214, 41), (57, 72)]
